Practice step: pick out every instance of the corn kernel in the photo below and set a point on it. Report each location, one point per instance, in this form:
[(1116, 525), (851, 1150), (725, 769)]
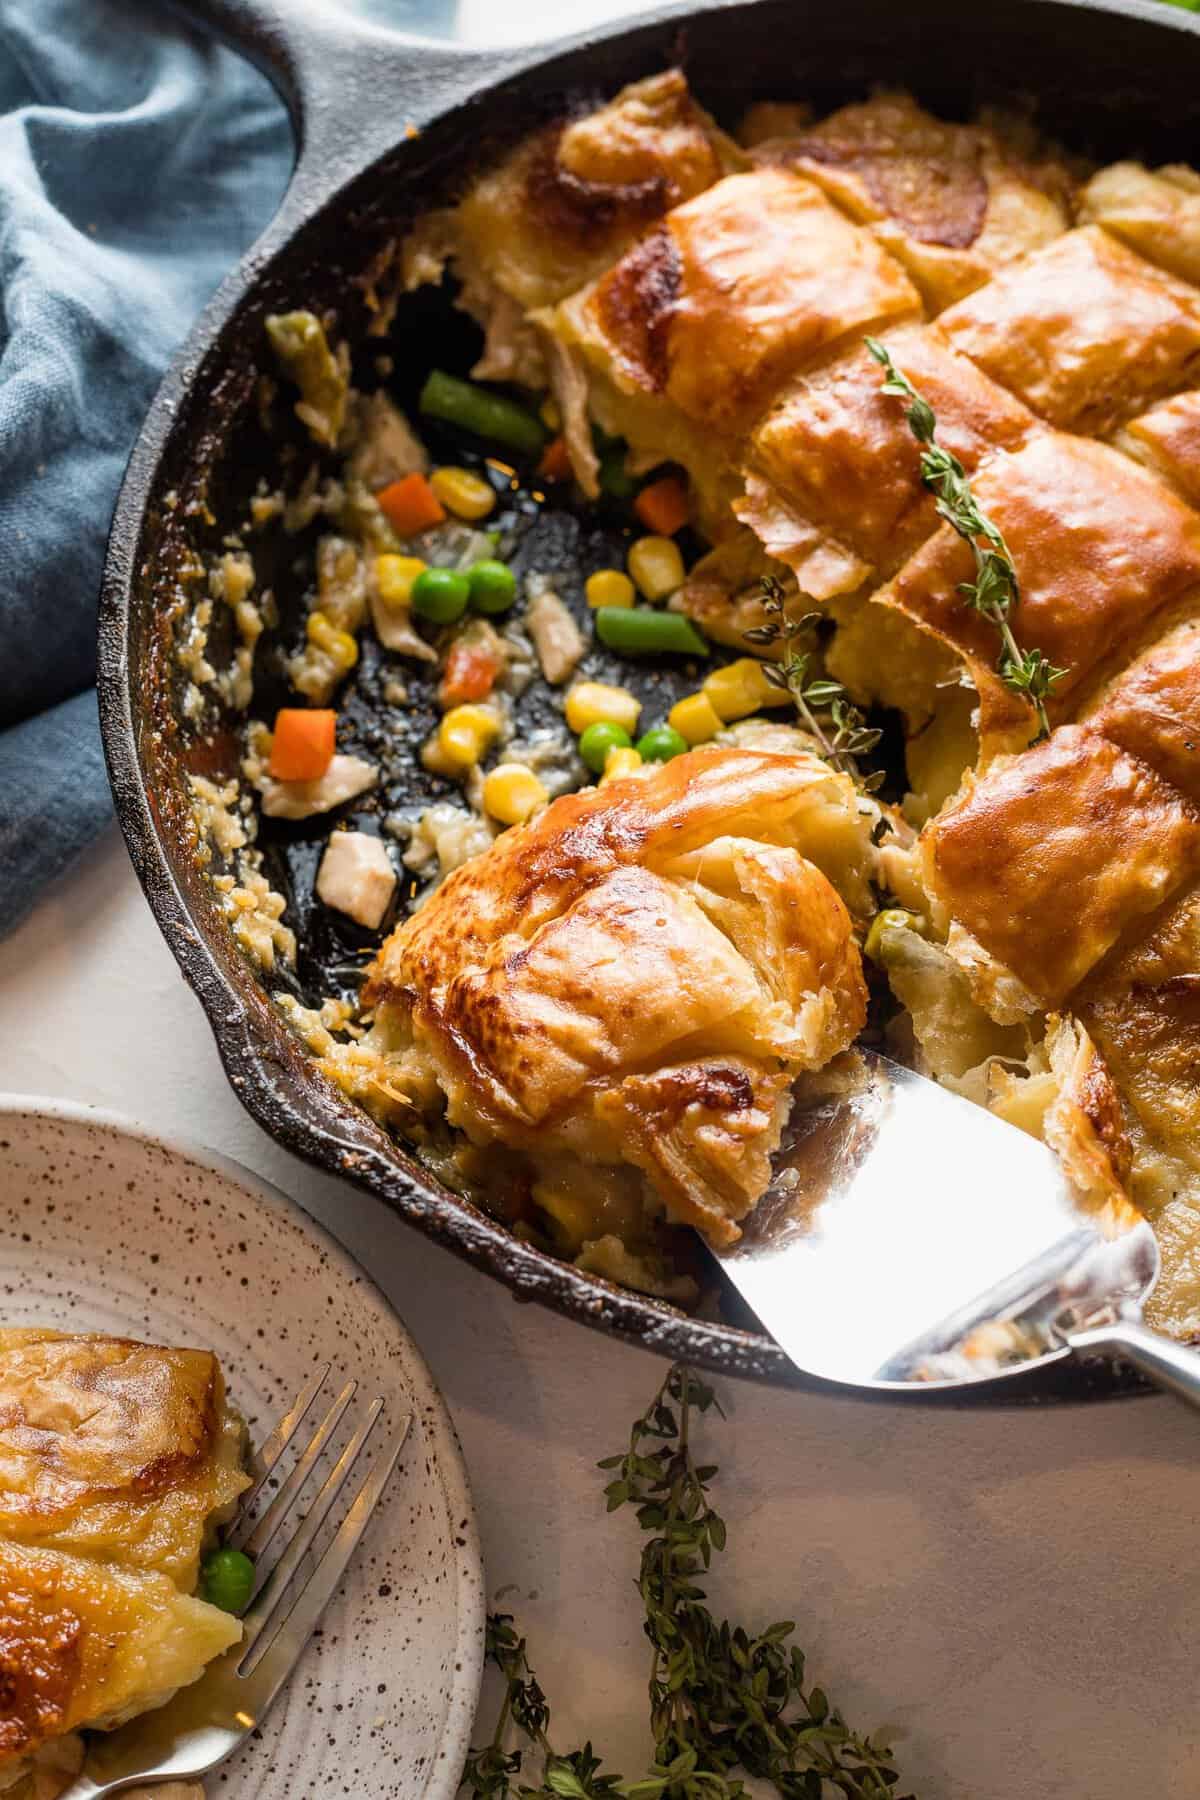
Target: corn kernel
[(740, 688), (549, 414), (619, 763), (512, 793), (609, 587), (656, 566), (394, 576), (466, 495), (338, 646), (695, 718), (465, 734), (595, 703)]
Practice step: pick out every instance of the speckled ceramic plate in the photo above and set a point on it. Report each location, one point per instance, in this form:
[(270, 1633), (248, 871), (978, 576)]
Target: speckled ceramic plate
[(105, 1228)]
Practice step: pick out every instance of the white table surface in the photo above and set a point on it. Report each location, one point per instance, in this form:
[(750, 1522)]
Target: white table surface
[(1013, 1594)]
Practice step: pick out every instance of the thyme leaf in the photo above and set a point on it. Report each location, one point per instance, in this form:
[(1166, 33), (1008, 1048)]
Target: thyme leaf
[(724, 1703), (995, 592)]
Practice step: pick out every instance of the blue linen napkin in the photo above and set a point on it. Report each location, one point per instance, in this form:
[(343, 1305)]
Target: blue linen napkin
[(137, 161)]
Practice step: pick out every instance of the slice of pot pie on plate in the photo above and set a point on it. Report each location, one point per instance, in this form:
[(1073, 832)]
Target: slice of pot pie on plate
[(117, 1462), (114, 1449), (85, 1643)]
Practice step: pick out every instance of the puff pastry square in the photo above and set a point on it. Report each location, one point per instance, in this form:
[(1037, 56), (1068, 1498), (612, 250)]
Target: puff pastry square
[(1085, 331), (562, 206), (1167, 439), (1152, 710), (1100, 546), (735, 290), (1156, 211), (1052, 854), (833, 480), (115, 1449), (952, 202)]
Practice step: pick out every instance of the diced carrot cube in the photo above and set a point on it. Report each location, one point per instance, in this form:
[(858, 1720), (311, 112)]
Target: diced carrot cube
[(410, 505), (303, 745)]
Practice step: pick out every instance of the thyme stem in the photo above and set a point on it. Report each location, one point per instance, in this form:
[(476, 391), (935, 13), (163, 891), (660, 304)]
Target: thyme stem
[(825, 709), (995, 592), (723, 1704)]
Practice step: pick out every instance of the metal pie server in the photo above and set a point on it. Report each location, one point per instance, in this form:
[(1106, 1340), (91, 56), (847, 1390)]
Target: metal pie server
[(910, 1237)]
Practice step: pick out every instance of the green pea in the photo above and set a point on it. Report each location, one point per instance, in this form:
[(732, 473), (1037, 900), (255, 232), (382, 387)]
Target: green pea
[(661, 743), (440, 595), (227, 1580), (598, 740), (641, 631), (493, 586)]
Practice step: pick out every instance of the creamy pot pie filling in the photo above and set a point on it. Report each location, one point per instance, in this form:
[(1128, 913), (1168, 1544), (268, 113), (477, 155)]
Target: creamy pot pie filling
[(596, 1021)]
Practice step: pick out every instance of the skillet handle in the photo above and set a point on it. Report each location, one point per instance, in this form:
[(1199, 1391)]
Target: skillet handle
[(351, 86), (1170, 1366)]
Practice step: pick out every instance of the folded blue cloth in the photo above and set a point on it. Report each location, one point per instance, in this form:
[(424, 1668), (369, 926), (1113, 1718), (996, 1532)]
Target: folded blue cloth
[(137, 161)]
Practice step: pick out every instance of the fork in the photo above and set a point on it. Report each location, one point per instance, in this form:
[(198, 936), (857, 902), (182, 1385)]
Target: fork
[(207, 1721)]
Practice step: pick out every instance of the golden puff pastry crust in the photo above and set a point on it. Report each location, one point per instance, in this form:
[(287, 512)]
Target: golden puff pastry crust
[(563, 205), (1156, 211), (83, 1642), (1167, 439), (952, 202), (833, 478), (115, 1449), (560, 208), (1152, 709), (636, 977), (1085, 332), (736, 289), (1143, 1008), (1101, 548), (1047, 859)]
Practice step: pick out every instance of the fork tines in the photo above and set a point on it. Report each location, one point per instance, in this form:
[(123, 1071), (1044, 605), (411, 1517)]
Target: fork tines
[(291, 1593)]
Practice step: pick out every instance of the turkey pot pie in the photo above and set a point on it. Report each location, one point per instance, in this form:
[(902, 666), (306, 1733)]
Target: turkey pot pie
[(596, 1023), (118, 1460)]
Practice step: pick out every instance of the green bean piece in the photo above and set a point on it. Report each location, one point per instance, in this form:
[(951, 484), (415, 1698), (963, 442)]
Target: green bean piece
[(227, 1580), (477, 409), (639, 631)]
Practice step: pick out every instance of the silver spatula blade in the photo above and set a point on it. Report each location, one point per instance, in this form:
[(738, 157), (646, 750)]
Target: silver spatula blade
[(893, 1208)]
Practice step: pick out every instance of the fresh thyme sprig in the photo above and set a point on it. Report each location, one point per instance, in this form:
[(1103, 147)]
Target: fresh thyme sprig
[(825, 708), (721, 1700), (995, 592)]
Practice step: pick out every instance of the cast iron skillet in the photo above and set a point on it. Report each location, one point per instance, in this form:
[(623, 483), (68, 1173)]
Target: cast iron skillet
[(1110, 80)]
